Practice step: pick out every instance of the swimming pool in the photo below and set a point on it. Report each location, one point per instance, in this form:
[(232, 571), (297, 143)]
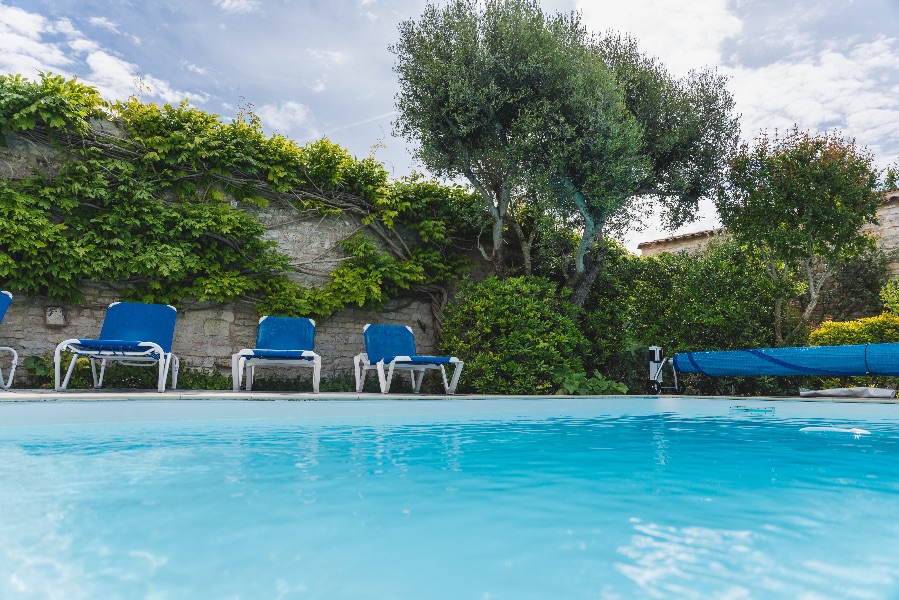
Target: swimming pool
[(498, 499)]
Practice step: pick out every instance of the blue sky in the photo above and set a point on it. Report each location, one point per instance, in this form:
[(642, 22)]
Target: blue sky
[(313, 68)]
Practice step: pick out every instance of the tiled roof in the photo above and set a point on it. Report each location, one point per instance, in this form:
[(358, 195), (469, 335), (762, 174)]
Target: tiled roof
[(684, 236), (888, 197)]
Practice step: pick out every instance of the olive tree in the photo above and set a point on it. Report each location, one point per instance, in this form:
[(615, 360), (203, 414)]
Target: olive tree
[(472, 75), (587, 155), (802, 200), (688, 128), (627, 135), (540, 116)]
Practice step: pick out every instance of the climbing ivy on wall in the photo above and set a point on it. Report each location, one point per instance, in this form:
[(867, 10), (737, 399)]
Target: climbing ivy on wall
[(156, 207)]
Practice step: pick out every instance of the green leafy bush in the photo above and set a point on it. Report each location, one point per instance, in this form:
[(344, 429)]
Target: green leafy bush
[(871, 330), (513, 334), (715, 299), (576, 383), (889, 295)]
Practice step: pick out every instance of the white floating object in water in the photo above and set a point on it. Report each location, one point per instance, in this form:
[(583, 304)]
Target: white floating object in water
[(853, 430)]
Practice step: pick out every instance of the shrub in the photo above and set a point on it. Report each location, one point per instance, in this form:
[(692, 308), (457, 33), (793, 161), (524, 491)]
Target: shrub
[(871, 330), (889, 295), (513, 334), (716, 299)]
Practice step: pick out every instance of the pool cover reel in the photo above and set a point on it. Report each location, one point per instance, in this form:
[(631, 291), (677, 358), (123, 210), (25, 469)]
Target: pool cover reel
[(832, 361)]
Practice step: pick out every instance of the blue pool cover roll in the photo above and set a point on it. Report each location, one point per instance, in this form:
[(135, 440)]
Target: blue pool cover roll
[(838, 361)]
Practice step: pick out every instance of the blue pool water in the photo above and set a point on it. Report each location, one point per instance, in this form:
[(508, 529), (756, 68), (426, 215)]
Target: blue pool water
[(456, 499)]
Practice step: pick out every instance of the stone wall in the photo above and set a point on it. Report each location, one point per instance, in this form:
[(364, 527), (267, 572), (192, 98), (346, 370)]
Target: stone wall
[(207, 334), (887, 229), (886, 232), (688, 242)]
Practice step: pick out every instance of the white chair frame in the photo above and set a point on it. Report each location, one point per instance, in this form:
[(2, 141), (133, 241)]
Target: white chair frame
[(7, 383), (363, 366), (244, 362), (144, 358)]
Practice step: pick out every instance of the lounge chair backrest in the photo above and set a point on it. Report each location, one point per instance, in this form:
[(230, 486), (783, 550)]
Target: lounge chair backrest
[(388, 341), (5, 300), (286, 333), (140, 323)]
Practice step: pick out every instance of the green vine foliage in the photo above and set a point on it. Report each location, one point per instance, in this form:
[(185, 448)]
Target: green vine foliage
[(157, 207)]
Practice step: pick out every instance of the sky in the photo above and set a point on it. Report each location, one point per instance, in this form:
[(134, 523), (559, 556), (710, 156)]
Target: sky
[(314, 68)]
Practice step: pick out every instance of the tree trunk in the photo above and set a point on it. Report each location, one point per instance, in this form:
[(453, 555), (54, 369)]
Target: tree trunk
[(778, 322), (496, 257), (583, 282), (526, 242)]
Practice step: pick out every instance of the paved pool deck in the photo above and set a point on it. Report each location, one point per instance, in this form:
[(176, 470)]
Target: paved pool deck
[(32, 395)]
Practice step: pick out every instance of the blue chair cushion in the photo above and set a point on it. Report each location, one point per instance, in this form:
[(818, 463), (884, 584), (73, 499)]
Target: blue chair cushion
[(5, 301), (276, 354), (144, 322), (386, 342), (423, 360), (285, 333)]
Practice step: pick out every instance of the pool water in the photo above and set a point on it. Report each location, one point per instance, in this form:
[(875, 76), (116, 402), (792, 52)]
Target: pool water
[(594, 498)]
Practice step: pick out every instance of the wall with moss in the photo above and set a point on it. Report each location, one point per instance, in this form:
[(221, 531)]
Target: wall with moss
[(208, 333)]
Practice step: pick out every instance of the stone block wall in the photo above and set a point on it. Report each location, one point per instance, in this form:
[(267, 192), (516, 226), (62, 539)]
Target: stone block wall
[(207, 334), (887, 229), (886, 232)]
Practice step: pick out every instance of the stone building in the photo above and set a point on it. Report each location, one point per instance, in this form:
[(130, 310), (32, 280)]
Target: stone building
[(886, 232)]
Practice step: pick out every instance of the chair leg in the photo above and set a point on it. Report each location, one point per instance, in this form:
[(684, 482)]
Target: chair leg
[(102, 373), (443, 375), (236, 375), (65, 381), (160, 381), (176, 365), (416, 384), (94, 373), (6, 384), (451, 388), (251, 373), (385, 379), (57, 359), (316, 373)]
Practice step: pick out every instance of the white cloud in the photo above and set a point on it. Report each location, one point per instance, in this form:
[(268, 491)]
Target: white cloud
[(237, 6), (684, 35), (329, 56), (21, 48), (20, 22), (287, 116), (836, 88), (104, 23), (64, 27), (193, 68), (82, 45), (24, 50)]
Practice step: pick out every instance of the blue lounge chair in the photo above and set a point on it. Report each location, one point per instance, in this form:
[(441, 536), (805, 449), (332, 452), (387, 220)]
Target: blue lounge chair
[(393, 347), (282, 341), (133, 334), (5, 301)]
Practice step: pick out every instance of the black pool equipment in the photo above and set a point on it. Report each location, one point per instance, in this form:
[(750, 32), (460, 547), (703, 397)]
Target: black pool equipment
[(656, 382)]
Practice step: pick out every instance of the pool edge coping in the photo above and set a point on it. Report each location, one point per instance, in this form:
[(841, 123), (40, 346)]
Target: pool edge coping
[(118, 395)]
